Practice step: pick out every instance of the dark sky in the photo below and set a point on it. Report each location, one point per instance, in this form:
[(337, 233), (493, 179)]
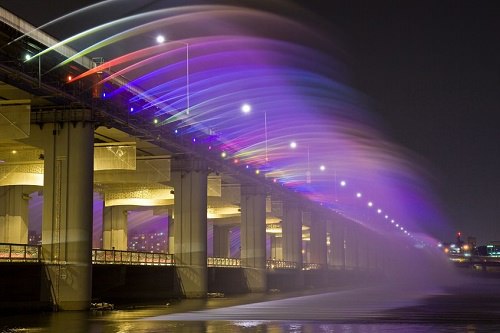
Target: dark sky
[(432, 71)]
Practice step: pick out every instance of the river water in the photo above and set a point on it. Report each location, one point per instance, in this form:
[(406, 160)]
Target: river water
[(471, 306)]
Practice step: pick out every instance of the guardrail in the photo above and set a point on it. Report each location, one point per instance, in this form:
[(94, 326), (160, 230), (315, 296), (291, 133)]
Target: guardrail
[(32, 253), (20, 252), (100, 256), (281, 264), (223, 262)]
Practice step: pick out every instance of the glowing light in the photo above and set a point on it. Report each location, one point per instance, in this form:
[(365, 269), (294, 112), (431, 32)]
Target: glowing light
[(392, 221), (293, 144), (70, 78), (358, 195), (160, 39), (155, 121), (246, 108), (27, 57), (176, 131), (322, 167), (386, 217), (257, 172), (343, 183), (223, 154), (14, 152), (370, 204), (379, 211)]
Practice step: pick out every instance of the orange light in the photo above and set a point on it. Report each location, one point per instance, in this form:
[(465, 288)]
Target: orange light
[(446, 250), (70, 78)]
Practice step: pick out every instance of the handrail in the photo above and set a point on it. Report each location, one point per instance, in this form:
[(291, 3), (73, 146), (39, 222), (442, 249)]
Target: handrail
[(20, 252), (223, 262), (281, 264), (100, 256)]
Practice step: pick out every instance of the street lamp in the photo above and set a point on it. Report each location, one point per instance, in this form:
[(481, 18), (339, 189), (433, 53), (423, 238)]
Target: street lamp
[(161, 39), (246, 109)]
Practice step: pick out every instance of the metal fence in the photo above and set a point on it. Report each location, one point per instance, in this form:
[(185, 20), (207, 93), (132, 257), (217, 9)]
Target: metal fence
[(20, 252), (131, 258), (223, 262)]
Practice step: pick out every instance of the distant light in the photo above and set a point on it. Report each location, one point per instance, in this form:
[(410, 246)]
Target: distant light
[(379, 210), (14, 152), (131, 109), (194, 139), (392, 221), (236, 161), (176, 131), (70, 78), (103, 94), (293, 144), (397, 225), (27, 57), (343, 183), (246, 108), (257, 171), (247, 166), (370, 204), (387, 216), (155, 121), (160, 39), (358, 195), (322, 167), (223, 154), (402, 228)]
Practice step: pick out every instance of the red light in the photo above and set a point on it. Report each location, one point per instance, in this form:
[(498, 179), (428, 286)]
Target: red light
[(70, 78)]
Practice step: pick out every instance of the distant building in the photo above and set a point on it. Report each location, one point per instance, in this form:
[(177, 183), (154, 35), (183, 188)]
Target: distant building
[(149, 242)]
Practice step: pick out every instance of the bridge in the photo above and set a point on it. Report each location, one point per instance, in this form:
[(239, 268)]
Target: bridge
[(158, 127)]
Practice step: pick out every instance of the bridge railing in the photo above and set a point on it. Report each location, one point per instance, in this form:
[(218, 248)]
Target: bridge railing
[(100, 256), (281, 264), (223, 262), (20, 252)]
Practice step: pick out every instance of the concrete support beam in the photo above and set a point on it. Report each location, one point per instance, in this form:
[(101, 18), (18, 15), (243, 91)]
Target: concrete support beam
[(318, 241), (292, 233), (253, 236), (189, 176), (338, 245), (115, 228), (67, 210), (221, 241), (14, 204), (276, 247)]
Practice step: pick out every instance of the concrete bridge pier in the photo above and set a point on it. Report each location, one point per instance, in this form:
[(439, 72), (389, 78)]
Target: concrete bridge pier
[(189, 177), (115, 228), (67, 209), (253, 236), (14, 203), (221, 241)]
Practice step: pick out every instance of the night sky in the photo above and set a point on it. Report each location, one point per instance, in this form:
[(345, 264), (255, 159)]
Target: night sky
[(431, 70)]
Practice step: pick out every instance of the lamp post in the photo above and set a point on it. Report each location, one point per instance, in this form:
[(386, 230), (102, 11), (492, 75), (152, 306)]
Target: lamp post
[(161, 39), (246, 108)]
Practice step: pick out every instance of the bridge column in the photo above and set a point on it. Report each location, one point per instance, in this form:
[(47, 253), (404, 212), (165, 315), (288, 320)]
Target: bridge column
[(338, 245), (189, 176), (221, 241), (276, 247), (67, 210), (292, 233), (253, 236), (351, 247), (115, 228), (13, 215), (318, 241)]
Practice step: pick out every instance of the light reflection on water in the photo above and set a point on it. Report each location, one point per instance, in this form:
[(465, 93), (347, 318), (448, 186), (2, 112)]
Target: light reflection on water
[(469, 308), (82, 323)]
